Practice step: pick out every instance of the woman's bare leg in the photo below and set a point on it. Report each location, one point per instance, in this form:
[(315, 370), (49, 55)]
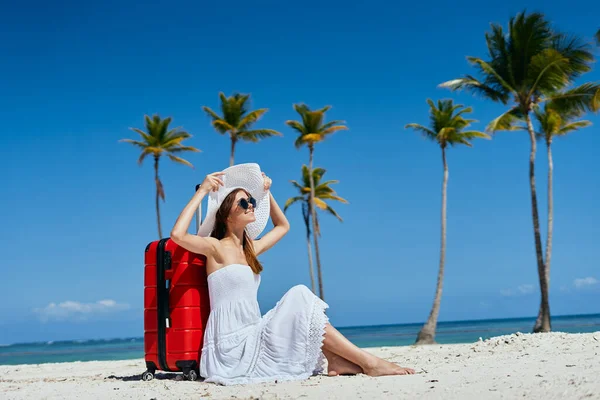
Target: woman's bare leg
[(338, 365), (336, 343)]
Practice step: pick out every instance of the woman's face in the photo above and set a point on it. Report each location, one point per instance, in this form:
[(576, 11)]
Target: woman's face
[(242, 210)]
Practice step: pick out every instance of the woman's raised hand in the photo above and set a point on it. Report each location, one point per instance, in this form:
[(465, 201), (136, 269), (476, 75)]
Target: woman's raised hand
[(211, 182), (267, 182)]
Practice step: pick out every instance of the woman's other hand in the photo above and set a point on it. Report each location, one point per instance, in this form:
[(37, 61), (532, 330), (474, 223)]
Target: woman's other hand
[(267, 183), (211, 182)]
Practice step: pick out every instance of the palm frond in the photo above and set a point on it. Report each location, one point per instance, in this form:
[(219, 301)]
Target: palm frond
[(426, 132), (320, 203), (334, 213), (296, 126), (469, 83), (334, 197), (135, 143), (145, 152), (257, 134), (222, 127), (547, 71), (332, 123), (297, 185), (251, 118), (174, 138), (327, 183), (577, 51), (299, 142), (291, 201), (211, 113), (312, 138), (475, 134), (506, 121), (184, 148), (334, 129), (573, 126), (321, 192), (489, 70), (148, 138), (180, 160), (578, 100)]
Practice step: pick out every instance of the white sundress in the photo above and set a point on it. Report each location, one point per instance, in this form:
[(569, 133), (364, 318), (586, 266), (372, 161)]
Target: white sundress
[(242, 347)]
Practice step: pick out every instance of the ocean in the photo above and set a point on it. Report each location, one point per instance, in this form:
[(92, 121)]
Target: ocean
[(362, 336)]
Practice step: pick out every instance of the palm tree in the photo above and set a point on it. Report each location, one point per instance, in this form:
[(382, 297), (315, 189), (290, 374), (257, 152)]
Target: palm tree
[(322, 192), (238, 121), (311, 131), (447, 127), (159, 140), (552, 123), (529, 65)]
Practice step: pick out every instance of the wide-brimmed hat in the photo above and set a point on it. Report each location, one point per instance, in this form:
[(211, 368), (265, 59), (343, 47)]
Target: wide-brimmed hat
[(241, 176)]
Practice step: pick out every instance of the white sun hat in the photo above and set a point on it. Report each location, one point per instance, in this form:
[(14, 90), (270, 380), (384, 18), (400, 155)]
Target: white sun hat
[(242, 176)]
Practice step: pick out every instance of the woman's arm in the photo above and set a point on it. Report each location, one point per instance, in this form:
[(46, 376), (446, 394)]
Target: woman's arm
[(280, 228), (179, 234)]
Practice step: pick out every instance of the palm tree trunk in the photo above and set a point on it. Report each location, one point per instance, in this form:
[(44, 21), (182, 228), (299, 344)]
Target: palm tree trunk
[(427, 333), (538, 322), (232, 151), (158, 190), (545, 305), (310, 259), (306, 216), (313, 212)]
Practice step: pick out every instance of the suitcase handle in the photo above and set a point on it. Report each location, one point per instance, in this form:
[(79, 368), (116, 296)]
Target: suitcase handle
[(168, 275)]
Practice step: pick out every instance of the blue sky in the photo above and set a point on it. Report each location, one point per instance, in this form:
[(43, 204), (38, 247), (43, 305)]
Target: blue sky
[(77, 210)]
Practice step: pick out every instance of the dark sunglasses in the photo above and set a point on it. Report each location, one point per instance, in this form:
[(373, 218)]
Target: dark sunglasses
[(245, 203)]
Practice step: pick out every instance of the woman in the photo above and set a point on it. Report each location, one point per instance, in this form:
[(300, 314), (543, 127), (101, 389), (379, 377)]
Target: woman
[(240, 346)]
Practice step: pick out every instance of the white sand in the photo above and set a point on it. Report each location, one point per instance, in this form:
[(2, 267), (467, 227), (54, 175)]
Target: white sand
[(545, 366)]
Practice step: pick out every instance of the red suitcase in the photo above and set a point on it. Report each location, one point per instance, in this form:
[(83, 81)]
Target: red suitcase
[(176, 309)]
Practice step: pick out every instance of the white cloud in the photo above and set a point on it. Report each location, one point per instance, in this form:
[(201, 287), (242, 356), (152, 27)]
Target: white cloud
[(75, 310), (581, 283), (520, 290), (526, 289)]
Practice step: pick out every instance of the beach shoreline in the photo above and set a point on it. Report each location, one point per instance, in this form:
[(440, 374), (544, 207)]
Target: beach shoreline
[(533, 366)]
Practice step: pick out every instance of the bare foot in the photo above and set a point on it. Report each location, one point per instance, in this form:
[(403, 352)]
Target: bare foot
[(381, 367), (340, 366)]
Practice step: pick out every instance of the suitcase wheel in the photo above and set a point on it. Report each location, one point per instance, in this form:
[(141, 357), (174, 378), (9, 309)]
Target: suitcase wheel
[(192, 375), (147, 376)]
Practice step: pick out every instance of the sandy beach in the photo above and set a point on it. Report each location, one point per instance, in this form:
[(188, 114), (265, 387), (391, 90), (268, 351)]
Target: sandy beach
[(548, 366)]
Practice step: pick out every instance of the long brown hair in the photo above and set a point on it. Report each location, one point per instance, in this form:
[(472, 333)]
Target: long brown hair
[(220, 229)]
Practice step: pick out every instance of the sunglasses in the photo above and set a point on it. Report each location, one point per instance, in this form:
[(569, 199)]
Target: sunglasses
[(246, 203)]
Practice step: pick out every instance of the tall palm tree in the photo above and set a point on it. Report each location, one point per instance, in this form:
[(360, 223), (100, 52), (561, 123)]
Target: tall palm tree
[(552, 123), (529, 65), (238, 121), (323, 192), (311, 131), (447, 127), (159, 140)]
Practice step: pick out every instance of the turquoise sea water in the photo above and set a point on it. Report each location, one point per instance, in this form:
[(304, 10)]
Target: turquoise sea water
[(362, 336)]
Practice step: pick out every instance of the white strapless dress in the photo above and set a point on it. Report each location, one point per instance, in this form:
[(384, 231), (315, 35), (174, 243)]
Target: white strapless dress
[(242, 347)]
